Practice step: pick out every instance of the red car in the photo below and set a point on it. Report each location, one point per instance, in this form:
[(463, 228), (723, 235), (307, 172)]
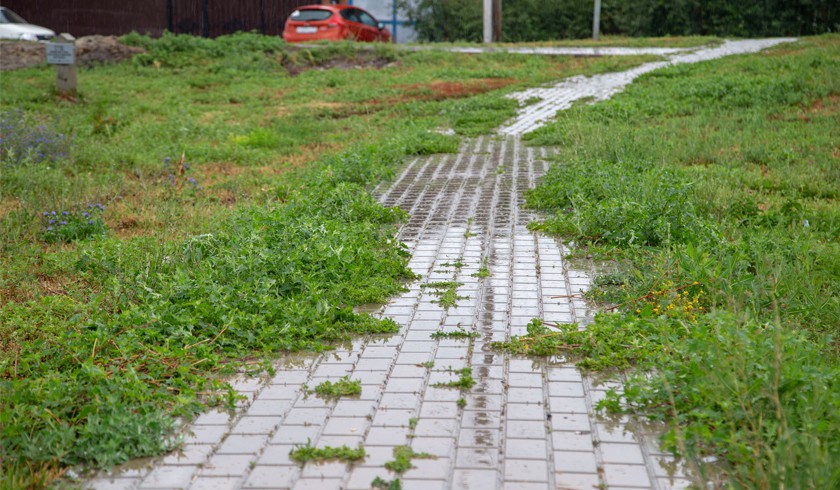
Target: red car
[(334, 23)]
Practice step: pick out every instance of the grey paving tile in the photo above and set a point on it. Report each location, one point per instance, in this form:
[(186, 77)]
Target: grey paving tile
[(228, 465), (216, 483), (273, 477), (525, 470)]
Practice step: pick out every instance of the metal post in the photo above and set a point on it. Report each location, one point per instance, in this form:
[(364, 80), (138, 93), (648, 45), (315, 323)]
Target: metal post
[(596, 20), (488, 21), (497, 20)]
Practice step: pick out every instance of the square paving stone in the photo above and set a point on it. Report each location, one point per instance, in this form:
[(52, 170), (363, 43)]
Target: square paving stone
[(570, 421), (571, 441), (447, 410), (215, 483), (243, 444), (526, 429), (274, 477), (328, 469), (346, 426), (565, 389), (278, 455), (626, 475), (575, 462), (295, 434), (526, 395), (189, 454), (526, 449), (442, 447), (318, 484), (526, 470), (576, 481), (385, 436), (477, 458), (354, 408), (168, 477), (621, 453), (205, 434), (481, 419), (436, 428), (567, 405), (269, 407), (214, 417), (478, 438), (473, 479), (429, 469), (232, 465), (256, 425), (306, 415), (393, 417), (404, 385), (526, 411)]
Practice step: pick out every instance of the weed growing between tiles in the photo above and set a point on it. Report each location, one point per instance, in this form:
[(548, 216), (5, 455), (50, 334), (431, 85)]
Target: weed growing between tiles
[(727, 310), (460, 333), (342, 387), (308, 452), (402, 459)]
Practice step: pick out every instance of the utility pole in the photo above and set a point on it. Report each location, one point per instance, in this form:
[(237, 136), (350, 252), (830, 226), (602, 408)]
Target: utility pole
[(488, 21), (596, 20), (497, 20)]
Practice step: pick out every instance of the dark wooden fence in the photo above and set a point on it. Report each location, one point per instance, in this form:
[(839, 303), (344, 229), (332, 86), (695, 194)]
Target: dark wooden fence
[(209, 18)]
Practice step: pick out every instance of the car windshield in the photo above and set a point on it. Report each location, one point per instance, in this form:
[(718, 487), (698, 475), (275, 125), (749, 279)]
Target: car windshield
[(311, 14), (9, 17)]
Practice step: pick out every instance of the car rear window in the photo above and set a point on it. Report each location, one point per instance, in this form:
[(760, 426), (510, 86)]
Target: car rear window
[(311, 14)]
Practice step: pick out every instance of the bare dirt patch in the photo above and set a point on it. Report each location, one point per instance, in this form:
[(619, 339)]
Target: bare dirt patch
[(90, 50), (442, 89)]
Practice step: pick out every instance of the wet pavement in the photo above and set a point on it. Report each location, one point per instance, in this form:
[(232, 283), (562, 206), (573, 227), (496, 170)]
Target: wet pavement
[(524, 424)]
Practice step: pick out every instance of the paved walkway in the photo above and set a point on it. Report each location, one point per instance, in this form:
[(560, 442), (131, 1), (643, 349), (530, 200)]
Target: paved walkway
[(525, 424)]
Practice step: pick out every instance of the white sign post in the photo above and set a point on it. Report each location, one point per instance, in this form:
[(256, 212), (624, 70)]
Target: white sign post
[(62, 54)]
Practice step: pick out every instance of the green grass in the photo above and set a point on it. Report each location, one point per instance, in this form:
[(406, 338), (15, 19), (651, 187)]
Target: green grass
[(236, 223), (446, 292), (342, 387), (715, 189), (454, 334), (465, 380), (308, 452), (402, 459)]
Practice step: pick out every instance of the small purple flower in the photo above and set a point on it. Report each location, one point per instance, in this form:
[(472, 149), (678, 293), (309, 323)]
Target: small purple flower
[(192, 181), (52, 221), (100, 206), (65, 213), (63, 222), (90, 222), (86, 214), (46, 213), (90, 206), (49, 228), (54, 213), (166, 160)]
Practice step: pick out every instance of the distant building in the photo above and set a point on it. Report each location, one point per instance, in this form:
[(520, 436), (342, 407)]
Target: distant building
[(209, 18)]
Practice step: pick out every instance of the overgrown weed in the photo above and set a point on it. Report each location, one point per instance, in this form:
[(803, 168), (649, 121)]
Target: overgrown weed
[(728, 234)]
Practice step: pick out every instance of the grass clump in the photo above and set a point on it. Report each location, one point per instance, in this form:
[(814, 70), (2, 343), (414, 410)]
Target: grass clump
[(446, 292), (308, 452), (342, 387), (727, 237), (461, 333), (465, 380), (383, 484), (402, 459)]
